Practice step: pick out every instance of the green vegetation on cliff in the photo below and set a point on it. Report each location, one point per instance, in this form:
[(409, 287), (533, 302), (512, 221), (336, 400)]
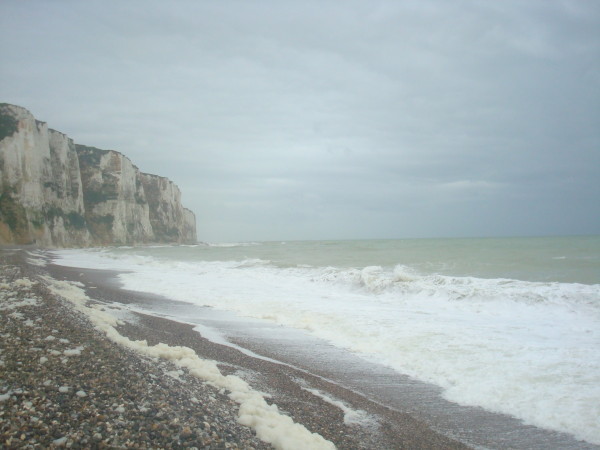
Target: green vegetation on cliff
[(12, 212), (54, 192), (8, 124)]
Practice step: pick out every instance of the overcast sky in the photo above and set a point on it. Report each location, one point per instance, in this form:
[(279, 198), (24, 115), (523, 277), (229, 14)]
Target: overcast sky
[(330, 119)]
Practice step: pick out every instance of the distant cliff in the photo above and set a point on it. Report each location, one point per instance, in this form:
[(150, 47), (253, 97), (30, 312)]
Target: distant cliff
[(59, 194)]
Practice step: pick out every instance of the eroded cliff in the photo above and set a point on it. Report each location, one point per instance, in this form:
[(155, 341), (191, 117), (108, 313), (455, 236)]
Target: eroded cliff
[(169, 219), (59, 194)]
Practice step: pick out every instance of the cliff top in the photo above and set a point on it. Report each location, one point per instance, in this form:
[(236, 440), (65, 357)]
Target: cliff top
[(9, 119)]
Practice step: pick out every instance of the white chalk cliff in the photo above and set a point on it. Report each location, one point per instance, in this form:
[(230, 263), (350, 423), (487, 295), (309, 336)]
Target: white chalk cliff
[(59, 194)]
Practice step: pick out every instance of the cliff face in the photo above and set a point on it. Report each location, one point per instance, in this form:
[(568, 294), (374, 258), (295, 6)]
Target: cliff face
[(59, 194), (169, 219), (116, 209)]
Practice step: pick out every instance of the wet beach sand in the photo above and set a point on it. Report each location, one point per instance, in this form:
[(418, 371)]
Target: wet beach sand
[(64, 383), (67, 384)]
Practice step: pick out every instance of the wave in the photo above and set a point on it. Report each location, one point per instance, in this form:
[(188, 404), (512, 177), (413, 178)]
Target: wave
[(400, 281), (233, 244), (403, 281), (249, 263), (455, 332)]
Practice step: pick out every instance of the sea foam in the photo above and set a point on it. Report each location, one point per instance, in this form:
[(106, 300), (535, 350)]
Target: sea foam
[(270, 425), (527, 349)]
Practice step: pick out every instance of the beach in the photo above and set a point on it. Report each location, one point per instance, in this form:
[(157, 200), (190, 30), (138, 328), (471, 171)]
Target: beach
[(66, 382), (490, 342)]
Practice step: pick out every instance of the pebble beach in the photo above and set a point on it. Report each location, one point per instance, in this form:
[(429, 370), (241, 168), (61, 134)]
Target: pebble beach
[(70, 380), (65, 385)]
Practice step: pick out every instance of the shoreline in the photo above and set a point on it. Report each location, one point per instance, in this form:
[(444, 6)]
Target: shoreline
[(319, 399), (65, 384), (202, 416), (285, 385)]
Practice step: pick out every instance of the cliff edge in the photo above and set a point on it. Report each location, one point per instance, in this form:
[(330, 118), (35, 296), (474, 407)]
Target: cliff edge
[(56, 193)]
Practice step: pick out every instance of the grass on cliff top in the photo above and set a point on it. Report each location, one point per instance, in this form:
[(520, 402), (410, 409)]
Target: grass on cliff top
[(8, 125)]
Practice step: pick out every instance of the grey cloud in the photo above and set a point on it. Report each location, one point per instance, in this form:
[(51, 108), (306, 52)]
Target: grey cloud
[(320, 119)]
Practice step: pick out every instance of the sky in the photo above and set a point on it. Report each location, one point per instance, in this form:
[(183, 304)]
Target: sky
[(284, 120)]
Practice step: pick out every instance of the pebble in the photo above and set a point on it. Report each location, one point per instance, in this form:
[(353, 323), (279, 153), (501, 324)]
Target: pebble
[(101, 396)]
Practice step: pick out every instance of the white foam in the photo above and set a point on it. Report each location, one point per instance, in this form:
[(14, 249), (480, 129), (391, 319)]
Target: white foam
[(74, 351), (24, 283), (270, 425), (455, 332), (233, 244), (36, 258), (214, 336), (351, 416), (15, 304)]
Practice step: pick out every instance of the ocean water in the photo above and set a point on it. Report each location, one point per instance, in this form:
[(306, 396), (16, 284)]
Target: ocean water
[(511, 325)]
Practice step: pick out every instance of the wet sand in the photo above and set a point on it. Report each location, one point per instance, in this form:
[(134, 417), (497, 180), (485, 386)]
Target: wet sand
[(65, 384), (285, 385), (397, 412)]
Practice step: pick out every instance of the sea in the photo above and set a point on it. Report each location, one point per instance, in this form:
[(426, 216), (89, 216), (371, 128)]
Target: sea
[(509, 325)]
